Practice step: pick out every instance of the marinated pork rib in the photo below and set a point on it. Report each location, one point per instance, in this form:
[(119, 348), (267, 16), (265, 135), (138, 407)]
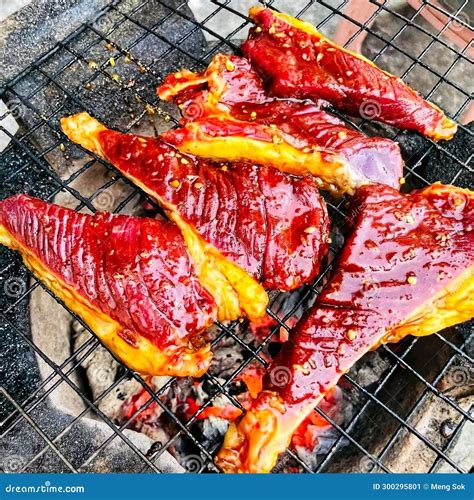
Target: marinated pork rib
[(407, 269), (228, 116), (130, 279), (297, 61), (249, 219)]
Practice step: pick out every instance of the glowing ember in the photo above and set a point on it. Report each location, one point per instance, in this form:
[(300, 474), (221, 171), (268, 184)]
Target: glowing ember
[(227, 412), (307, 433), (252, 377), (262, 328), (132, 405)]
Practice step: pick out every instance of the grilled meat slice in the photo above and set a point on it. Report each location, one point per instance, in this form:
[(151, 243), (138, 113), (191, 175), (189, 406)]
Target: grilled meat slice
[(297, 61), (228, 116), (407, 269), (251, 219), (130, 279)]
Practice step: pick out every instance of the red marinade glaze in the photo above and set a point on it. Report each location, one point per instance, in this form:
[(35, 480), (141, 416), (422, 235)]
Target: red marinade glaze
[(217, 127), (374, 158), (404, 249), (258, 217), (136, 271), (305, 125), (298, 64)]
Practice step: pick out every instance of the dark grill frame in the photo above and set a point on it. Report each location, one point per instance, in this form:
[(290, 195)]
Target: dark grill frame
[(60, 373)]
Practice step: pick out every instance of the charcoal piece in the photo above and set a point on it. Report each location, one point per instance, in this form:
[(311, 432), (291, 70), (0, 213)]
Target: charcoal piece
[(440, 165)]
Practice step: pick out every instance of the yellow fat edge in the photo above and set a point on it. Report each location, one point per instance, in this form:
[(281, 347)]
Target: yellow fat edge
[(454, 304), (84, 130), (211, 76), (269, 434), (145, 357), (445, 130), (440, 189), (335, 176), (232, 288)]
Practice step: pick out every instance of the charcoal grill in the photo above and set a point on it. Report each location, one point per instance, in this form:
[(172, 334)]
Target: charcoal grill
[(110, 66)]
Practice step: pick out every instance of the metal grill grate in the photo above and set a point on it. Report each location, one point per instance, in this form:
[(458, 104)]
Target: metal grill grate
[(65, 80)]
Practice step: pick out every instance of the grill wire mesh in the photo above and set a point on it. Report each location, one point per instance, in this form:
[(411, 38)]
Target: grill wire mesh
[(87, 63)]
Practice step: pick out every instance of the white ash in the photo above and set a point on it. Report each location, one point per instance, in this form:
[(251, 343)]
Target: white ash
[(50, 331), (410, 454), (370, 371)]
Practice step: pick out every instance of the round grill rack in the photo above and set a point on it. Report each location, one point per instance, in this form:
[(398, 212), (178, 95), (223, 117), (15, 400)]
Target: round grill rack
[(65, 79)]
